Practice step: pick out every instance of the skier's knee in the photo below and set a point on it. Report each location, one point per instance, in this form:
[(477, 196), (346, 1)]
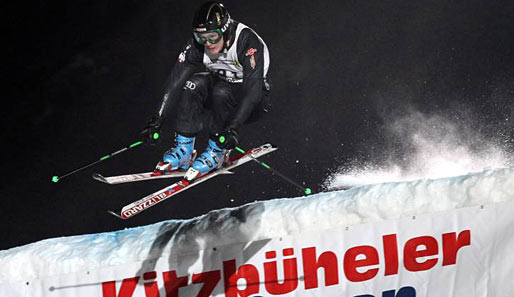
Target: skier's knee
[(221, 97), (221, 93)]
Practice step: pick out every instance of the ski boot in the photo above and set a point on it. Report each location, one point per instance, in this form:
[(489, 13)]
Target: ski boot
[(180, 157), (212, 158)]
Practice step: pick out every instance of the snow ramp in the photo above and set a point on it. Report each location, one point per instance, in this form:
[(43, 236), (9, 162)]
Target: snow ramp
[(443, 237)]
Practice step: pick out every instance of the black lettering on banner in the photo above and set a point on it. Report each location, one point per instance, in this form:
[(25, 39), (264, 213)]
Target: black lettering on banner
[(402, 292)]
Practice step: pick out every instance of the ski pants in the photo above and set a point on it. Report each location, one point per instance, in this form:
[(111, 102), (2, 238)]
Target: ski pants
[(209, 103)]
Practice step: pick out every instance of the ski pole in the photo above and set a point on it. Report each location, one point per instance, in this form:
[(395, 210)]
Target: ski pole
[(307, 191), (108, 156)]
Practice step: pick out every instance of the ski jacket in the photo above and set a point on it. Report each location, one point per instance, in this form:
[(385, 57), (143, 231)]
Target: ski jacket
[(245, 61)]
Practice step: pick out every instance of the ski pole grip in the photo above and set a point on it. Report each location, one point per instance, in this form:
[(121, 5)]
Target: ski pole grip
[(139, 142)]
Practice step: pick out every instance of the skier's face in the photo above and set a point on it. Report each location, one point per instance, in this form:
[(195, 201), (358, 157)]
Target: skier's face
[(214, 48), (212, 40)]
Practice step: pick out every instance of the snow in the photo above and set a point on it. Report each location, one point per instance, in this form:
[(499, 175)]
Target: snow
[(434, 146), (256, 221)]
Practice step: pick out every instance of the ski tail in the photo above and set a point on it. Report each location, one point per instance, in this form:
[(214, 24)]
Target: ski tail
[(118, 215)]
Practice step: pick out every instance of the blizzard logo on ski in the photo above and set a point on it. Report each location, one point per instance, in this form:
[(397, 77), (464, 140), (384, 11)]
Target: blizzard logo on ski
[(126, 213), (293, 269), (129, 177)]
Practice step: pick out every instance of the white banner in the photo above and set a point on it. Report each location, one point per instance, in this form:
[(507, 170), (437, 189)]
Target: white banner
[(466, 252)]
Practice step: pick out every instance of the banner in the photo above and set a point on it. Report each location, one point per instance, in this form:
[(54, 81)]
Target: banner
[(464, 252)]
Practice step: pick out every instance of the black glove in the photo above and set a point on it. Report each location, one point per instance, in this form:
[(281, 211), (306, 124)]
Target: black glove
[(227, 139), (151, 133)]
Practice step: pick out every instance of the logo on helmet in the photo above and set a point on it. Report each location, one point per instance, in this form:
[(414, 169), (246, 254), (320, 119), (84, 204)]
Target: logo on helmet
[(225, 27)]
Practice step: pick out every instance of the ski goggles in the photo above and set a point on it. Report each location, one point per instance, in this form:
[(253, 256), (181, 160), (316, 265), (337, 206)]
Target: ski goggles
[(212, 36)]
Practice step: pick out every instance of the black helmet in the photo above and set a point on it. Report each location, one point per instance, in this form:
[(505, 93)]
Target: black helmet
[(211, 17)]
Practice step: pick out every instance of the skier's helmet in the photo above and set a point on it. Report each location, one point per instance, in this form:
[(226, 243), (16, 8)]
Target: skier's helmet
[(211, 22)]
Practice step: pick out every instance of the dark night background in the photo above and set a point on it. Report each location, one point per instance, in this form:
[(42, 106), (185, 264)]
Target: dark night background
[(83, 78)]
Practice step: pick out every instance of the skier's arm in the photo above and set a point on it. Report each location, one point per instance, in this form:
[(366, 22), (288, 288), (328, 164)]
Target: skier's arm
[(189, 59), (251, 56)]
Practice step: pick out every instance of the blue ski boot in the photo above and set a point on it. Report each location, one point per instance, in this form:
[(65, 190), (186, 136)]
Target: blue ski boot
[(178, 157), (211, 159)]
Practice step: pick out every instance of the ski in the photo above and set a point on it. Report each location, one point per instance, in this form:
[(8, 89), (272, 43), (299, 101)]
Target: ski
[(144, 203), (135, 177)]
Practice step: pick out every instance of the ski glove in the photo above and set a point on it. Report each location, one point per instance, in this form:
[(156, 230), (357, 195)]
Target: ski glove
[(151, 133), (227, 139)]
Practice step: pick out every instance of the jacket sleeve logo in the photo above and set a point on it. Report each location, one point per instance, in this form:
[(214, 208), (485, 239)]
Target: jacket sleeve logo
[(182, 55), (251, 53)]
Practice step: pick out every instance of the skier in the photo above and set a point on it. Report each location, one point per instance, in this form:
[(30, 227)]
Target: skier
[(233, 91)]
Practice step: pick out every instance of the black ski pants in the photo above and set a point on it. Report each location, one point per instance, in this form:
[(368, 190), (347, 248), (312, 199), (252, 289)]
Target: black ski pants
[(209, 103)]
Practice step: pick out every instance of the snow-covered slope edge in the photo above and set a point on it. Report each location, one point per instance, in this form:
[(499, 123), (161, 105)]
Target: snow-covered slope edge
[(255, 221)]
